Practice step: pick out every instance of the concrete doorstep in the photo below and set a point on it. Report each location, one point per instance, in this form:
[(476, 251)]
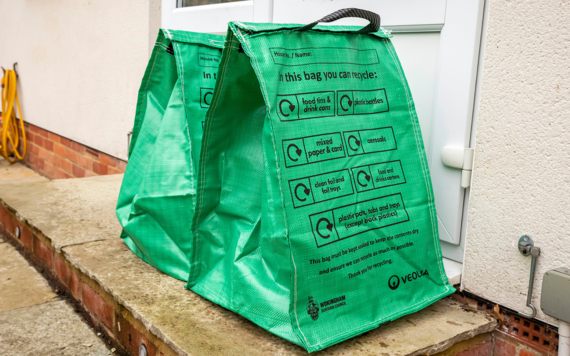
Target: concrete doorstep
[(69, 228)]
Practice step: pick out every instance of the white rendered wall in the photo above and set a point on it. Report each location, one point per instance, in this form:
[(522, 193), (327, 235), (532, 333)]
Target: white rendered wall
[(80, 64), (521, 179)]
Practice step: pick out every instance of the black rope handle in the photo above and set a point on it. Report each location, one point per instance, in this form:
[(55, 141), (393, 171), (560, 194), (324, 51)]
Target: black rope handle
[(373, 17)]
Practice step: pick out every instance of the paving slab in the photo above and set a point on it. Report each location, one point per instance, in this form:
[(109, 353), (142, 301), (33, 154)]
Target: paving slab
[(192, 325), (68, 211), (20, 284), (51, 328), (17, 172)]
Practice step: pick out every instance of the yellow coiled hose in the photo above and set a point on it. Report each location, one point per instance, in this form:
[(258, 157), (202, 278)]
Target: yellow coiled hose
[(10, 132)]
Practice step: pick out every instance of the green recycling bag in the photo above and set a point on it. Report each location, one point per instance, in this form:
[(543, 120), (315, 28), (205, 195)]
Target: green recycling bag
[(315, 216), (158, 195)]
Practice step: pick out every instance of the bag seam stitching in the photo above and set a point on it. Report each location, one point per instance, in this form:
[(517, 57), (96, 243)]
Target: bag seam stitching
[(205, 144), (268, 106)]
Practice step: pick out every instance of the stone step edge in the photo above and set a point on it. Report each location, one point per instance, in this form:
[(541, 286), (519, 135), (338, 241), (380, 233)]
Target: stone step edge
[(109, 317), (106, 311)]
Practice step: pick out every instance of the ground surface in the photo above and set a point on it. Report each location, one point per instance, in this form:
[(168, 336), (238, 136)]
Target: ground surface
[(33, 319)]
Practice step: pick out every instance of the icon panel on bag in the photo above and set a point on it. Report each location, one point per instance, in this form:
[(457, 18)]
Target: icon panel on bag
[(357, 218), (206, 95), (380, 175), (322, 225), (320, 187), (304, 106), (361, 102), (361, 142), (311, 149)]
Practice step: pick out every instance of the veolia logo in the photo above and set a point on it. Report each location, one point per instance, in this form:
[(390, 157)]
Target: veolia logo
[(394, 281)]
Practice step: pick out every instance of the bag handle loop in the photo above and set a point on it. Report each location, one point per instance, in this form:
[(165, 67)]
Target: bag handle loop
[(373, 17)]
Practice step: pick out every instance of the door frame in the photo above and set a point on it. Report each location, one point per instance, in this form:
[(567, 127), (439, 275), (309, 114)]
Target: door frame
[(214, 18)]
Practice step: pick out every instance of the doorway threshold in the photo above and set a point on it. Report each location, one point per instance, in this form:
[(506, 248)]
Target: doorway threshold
[(453, 271)]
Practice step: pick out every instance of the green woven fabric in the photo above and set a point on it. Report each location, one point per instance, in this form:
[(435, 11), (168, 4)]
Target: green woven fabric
[(158, 195), (315, 216)]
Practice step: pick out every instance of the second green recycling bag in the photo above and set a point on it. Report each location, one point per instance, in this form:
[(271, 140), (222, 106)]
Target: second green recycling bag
[(158, 194), (315, 216)]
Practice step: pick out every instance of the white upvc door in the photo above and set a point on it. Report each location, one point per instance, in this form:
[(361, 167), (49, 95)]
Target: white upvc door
[(212, 16), (438, 44)]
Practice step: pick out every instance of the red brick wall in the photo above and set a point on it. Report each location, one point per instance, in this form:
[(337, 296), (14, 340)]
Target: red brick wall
[(57, 157), (514, 335)]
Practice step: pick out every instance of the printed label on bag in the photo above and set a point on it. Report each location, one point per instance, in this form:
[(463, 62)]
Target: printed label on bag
[(370, 141), (206, 97), (350, 220), (311, 149), (305, 106), (374, 176), (208, 60), (320, 187), (292, 57), (360, 102)]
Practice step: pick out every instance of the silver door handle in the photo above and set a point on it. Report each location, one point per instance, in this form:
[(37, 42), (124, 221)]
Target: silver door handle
[(527, 248)]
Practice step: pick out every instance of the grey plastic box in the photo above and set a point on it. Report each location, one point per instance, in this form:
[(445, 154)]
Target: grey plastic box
[(555, 297)]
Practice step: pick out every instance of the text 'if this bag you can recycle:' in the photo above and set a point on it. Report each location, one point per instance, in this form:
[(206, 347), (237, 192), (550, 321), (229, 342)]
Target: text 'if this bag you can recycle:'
[(158, 195), (315, 216)]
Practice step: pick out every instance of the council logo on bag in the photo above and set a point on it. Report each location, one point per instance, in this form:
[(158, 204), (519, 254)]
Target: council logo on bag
[(313, 308)]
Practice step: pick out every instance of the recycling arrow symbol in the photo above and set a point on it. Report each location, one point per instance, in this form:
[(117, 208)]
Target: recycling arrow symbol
[(349, 102), (329, 227), (297, 150), (291, 107), (355, 140), (366, 176), (205, 96), (306, 190)]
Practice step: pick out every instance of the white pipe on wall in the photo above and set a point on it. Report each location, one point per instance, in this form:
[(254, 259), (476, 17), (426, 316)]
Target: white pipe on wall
[(563, 338)]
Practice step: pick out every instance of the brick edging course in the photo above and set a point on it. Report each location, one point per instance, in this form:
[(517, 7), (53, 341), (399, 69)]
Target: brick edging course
[(58, 157)]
